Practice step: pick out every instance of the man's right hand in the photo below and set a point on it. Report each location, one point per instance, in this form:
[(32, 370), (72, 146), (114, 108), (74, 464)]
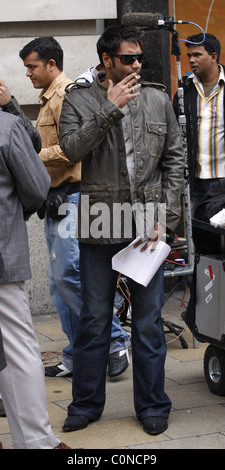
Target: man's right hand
[(123, 91), (5, 95)]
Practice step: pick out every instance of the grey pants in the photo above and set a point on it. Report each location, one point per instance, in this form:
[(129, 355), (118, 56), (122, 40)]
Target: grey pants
[(22, 383)]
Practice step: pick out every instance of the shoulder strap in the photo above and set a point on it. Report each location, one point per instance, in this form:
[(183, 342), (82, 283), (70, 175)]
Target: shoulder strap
[(74, 85), (159, 86)]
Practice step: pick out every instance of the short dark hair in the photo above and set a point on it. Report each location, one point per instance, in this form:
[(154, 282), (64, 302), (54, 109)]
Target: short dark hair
[(210, 43), (111, 38), (47, 48)]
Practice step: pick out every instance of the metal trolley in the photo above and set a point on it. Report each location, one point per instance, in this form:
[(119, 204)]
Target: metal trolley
[(209, 305)]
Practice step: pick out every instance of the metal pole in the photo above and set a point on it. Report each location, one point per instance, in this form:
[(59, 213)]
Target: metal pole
[(182, 124)]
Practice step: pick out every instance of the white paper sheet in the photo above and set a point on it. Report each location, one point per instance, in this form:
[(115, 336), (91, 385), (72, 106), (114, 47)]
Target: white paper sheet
[(140, 266), (218, 220)]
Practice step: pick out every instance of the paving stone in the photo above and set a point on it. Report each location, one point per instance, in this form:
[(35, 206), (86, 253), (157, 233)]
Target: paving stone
[(111, 434), (210, 441), (197, 418)]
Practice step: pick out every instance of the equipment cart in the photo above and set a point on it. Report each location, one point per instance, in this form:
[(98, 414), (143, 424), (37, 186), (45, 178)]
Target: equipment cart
[(209, 302)]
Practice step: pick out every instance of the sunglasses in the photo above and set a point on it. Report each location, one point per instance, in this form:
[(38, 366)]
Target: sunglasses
[(128, 59)]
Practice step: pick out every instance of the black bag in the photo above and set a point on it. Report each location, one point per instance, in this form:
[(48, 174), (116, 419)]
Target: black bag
[(53, 203), (56, 197), (213, 202)]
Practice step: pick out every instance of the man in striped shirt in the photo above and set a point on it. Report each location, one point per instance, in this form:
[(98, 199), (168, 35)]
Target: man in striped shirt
[(204, 109)]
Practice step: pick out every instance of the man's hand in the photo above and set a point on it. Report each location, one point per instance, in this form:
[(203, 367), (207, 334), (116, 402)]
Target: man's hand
[(5, 95), (157, 234), (123, 91)]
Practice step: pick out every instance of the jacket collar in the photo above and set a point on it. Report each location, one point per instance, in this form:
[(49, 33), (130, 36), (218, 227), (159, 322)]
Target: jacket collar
[(195, 79), (47, 94)]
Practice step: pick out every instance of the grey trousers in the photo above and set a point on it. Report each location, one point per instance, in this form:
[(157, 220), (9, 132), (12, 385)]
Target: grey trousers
[(22, 383)]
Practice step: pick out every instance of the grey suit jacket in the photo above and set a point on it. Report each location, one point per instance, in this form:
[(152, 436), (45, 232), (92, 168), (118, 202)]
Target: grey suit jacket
[(13, 107), (24, 185)]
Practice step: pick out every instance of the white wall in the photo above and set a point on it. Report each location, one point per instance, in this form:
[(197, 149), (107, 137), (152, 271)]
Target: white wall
[(79, 54), (55, 10), (75, 24)]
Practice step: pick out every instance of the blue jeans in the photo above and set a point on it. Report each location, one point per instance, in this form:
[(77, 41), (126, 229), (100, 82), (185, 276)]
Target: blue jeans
[(93, 338), (64, 280)]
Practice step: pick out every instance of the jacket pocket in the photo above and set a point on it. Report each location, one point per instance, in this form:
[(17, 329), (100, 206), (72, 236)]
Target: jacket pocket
[(47, 120), (48, 130), (153, 194), (156, 134)]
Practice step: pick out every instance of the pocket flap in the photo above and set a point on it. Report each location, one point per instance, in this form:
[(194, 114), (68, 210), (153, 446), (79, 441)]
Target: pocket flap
[(46, 121), (157, 128)]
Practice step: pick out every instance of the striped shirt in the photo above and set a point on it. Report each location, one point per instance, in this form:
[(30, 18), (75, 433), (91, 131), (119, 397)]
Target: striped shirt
[(210, 128)]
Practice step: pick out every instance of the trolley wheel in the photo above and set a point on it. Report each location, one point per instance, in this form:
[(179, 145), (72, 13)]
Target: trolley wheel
[(214, 369)]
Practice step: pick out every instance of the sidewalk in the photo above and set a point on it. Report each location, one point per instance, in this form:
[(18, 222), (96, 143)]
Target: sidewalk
[(197, 419)]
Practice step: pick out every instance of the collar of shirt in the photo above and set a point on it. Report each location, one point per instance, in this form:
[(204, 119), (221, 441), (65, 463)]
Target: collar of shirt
[(47, 94), (220, 80)]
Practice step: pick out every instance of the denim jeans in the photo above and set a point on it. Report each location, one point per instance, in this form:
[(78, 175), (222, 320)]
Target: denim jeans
[(93, 338), (64, 280)]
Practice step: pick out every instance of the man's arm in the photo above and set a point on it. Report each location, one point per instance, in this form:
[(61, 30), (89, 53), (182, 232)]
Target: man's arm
[(10, 105), (31, 178), (53, 156), (77, 139), (172, 165)]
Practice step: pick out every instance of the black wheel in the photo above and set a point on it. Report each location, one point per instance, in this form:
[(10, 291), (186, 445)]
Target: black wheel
[(214, 368)]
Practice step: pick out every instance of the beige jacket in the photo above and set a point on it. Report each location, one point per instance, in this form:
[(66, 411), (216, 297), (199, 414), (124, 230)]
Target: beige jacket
[(60, 169)]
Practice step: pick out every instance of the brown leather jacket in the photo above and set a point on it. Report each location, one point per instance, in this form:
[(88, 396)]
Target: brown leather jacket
[(90, 130)]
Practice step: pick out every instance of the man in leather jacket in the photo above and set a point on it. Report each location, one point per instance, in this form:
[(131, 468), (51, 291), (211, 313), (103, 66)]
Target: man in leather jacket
[(43, 58), (127, 137)]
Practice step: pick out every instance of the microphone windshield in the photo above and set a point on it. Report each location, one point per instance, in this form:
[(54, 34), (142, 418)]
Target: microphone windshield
[(144, 20)]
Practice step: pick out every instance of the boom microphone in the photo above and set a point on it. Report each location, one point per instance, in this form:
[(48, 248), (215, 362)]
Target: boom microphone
[(149, 21)]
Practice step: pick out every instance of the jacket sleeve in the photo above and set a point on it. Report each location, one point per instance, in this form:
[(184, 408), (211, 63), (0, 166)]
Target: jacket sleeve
[(78, 137), (52, 155), (172, 165), (13, 107), (30, 176)]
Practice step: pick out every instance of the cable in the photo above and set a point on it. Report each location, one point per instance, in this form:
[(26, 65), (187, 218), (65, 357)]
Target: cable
[(175, 262), (207, 21), (174, 15), (191, 42)]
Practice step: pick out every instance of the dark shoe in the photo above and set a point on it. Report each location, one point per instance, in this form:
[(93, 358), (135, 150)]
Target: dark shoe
[(118, 362), (74, 423), (1, 446), (58, 371), (154, 424), (62, 446), (2, 409)]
